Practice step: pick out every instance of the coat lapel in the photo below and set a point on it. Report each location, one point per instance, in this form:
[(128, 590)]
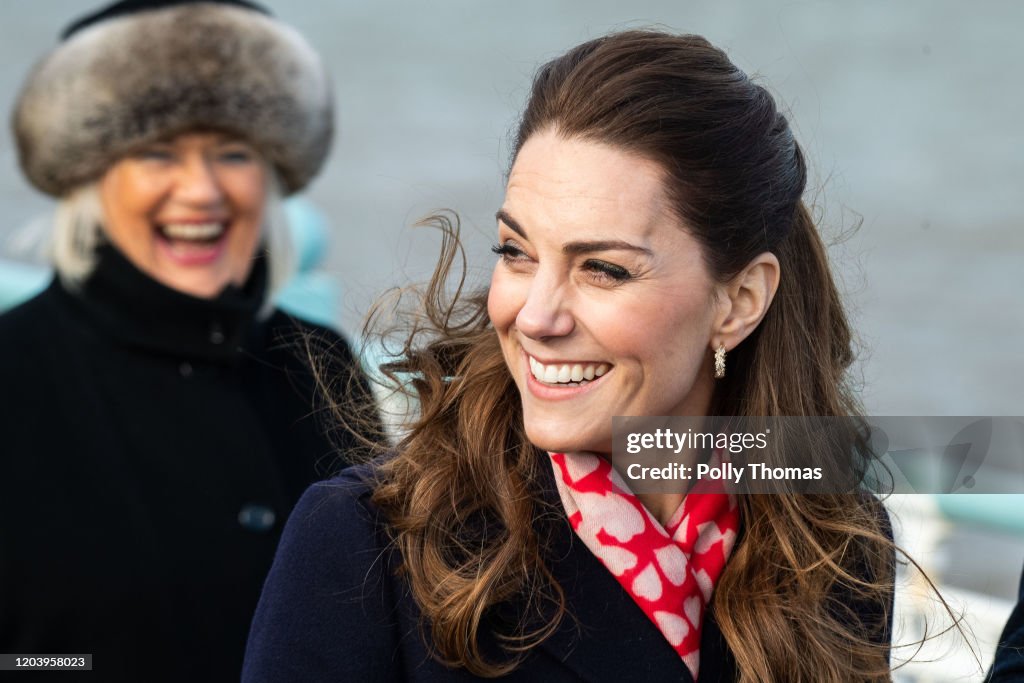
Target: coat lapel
[(717, 665), (605, 636)]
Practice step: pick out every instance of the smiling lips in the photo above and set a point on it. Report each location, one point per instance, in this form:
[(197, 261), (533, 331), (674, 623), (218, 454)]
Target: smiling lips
[(566, 374), (195, 243)]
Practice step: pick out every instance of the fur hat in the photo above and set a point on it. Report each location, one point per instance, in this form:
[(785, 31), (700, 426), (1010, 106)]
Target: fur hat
[(142, 70)]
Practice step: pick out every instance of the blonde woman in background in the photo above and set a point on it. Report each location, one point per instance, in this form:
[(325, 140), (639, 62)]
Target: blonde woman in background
[(157, 423)]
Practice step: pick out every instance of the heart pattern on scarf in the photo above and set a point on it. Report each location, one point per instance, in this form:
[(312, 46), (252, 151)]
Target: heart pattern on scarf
[(669, 571)]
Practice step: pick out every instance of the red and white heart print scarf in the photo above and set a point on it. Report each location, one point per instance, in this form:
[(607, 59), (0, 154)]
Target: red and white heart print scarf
[(669, 571)]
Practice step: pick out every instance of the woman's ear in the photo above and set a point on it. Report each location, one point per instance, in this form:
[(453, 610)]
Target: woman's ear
[(744, 300)]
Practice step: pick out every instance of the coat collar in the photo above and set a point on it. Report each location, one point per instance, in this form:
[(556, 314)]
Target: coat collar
[(137, 311)]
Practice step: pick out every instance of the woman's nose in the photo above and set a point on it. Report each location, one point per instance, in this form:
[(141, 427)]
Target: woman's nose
[(197, 182), (546, 312)]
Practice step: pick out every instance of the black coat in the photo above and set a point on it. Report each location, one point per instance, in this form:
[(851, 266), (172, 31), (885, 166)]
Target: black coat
[(333, 609), (1008, 666), (152, 446)]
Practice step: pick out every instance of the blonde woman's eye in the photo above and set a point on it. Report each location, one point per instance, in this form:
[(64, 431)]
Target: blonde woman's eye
[(236, 156)]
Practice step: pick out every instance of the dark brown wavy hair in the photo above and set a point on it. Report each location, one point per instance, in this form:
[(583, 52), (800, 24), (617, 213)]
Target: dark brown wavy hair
[(461, 491)]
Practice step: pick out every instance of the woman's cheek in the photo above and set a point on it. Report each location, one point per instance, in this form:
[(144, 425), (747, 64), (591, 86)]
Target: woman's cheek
[(502, 299)]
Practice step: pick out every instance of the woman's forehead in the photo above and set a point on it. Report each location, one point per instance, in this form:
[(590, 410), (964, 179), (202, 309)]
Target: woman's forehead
[(580, 183)]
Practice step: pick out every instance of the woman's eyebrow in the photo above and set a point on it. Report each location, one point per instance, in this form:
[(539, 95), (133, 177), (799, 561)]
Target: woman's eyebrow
[(579, 247), (513, 225), (587, 247)]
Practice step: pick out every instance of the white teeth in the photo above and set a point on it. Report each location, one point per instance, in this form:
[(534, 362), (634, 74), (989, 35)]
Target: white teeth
[(566, 373), (193, 231), (551, 374)]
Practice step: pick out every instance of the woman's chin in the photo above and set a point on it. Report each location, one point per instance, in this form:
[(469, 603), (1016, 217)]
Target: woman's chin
[(552, 439)]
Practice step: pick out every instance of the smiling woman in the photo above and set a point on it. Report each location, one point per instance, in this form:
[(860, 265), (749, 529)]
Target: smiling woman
[(603, 281), (655, 258), (159, 417), (188, 212)]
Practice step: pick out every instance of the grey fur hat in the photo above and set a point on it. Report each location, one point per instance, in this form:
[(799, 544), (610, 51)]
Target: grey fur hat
[(120, 81)]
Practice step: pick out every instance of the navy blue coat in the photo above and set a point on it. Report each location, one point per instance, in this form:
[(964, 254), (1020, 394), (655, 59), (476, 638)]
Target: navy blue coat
[(1009, 662), (333, 609)]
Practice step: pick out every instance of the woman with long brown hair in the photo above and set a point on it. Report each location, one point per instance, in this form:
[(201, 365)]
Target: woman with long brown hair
[(655, 258)]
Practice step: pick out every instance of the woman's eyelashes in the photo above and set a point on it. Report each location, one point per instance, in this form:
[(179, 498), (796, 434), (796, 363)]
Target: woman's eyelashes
[(598, 270), (605, 270), (509, 252)]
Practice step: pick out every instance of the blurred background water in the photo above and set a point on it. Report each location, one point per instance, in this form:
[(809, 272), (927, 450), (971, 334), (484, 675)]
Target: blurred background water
[(910, 115)]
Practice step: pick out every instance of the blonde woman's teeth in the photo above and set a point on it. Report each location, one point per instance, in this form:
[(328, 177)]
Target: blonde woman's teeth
[(566, 373), (193, 231)]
